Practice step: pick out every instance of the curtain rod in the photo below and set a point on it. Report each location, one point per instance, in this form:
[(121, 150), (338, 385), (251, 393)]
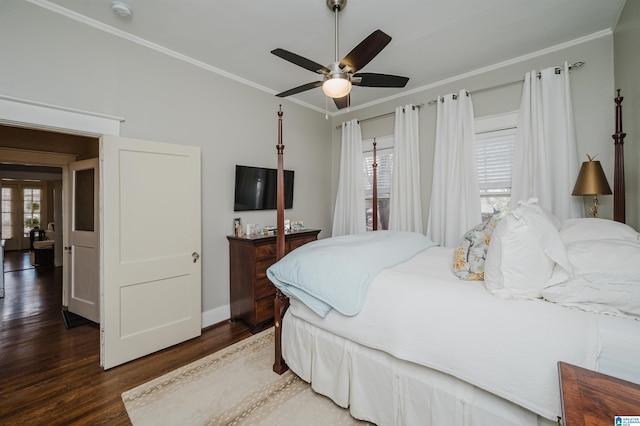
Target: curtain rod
[(575, 65), (380, 116)]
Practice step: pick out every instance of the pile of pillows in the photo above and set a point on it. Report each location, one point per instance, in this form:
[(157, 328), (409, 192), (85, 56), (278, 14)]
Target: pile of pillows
[(591, 264)]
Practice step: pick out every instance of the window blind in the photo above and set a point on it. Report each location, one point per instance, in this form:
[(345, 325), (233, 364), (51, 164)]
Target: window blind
[(494, 158)]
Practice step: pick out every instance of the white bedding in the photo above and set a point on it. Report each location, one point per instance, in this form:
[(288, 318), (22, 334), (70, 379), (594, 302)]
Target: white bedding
[(509, 348), (385, 390)]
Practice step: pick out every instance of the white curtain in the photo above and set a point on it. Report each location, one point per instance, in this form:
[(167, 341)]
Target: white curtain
[(349, 214), (545, 162), (405, 209), (455, 194)]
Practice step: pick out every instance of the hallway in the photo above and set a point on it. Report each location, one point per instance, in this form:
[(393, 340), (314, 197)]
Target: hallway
[(17, 260)]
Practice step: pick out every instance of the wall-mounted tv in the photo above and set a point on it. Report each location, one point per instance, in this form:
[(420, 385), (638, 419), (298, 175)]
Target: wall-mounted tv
[(256, 188)]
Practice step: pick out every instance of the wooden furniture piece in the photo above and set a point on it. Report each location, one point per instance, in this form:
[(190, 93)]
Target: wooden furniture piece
[(618, 176), (252, 295), (36, 234), (592, 398)]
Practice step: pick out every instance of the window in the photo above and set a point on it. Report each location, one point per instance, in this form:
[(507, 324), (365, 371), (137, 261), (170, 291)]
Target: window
[(384, 157), (7, 213), (31, 212), (495, 138)]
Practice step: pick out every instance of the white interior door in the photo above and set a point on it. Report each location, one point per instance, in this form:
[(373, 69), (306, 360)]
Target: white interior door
[(150, 269), (84, 238)]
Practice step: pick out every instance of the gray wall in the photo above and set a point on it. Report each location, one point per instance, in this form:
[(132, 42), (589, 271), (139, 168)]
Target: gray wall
[(49, 58), (627, 77), (592, 92)]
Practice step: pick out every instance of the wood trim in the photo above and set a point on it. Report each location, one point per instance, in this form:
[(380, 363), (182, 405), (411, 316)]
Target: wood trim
[(40, 158), (38, 115)]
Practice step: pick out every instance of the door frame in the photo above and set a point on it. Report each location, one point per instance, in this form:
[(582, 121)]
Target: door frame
[(41, 116)]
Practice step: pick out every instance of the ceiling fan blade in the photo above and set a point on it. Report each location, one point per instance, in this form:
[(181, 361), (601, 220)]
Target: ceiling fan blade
[(368, 79), (300, 61), (299, 89), (363, 53), (343, 102)]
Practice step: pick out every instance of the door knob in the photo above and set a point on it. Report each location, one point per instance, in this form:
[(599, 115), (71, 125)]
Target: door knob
[(195, 256)]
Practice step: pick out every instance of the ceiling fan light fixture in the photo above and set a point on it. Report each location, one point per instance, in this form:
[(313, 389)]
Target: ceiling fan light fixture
[(336, 86)]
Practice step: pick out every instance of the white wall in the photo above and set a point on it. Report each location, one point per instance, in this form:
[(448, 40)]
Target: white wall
[(52, 59), (592, 90)]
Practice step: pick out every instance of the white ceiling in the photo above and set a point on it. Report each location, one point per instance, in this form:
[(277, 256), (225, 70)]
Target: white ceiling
[(432, 39)]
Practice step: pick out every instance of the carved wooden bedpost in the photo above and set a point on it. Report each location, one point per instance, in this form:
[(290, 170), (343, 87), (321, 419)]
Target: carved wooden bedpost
[(618, 178), (375, 187), (281, 302)]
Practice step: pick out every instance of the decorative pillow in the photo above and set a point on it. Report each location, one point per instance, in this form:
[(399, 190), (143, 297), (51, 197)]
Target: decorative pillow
[(469, 256), (525, 247), (584, 229)]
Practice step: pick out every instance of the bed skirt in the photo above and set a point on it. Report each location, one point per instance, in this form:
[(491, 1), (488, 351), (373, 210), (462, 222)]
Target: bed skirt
[(384, 390)]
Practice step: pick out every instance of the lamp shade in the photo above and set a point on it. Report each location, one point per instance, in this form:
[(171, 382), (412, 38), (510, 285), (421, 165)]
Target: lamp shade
[(591, 180), (336, 87)]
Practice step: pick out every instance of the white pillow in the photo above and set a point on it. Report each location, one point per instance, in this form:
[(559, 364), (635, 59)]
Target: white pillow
[(605, 260), (573, 230), (524, 249), (615, 298), (606, 278)]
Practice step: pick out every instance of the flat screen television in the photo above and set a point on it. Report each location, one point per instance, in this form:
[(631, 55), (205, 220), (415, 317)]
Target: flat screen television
[(256, 188)]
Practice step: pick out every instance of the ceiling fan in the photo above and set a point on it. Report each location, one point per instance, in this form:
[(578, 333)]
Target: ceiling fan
[(340, 75)]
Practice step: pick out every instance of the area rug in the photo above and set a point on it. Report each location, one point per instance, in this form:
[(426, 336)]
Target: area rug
[(234, 386)]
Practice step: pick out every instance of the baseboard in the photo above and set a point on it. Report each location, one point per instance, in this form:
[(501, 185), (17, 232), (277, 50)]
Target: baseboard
[(214, 316)]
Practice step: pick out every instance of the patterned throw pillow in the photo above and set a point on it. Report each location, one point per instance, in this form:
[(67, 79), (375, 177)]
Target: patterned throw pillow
[(469, 256)]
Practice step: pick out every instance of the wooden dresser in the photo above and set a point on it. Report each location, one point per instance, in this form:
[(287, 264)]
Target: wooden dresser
[(252, 294)]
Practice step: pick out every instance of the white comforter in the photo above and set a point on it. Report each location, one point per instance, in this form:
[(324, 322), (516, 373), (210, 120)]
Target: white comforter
[(420, 312)]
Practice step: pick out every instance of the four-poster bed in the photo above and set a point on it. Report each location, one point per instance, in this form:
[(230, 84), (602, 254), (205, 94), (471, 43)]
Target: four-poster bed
[(427, 347)]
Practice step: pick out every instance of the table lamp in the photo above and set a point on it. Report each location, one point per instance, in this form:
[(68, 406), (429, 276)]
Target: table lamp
[(592, 181)]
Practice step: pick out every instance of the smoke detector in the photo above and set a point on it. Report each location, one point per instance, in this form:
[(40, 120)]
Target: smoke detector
[(120, 8)]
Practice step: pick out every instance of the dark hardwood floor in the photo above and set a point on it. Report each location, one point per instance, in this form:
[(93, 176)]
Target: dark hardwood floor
[(51, 375)]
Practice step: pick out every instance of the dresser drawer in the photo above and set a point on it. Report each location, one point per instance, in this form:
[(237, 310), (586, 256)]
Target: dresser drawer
[(264, 309), (261, 267), (264, 288), (294, 244), (265, 250)]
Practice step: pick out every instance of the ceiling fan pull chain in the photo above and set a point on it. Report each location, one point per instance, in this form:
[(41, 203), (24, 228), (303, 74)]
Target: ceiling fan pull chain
[(326, 107)]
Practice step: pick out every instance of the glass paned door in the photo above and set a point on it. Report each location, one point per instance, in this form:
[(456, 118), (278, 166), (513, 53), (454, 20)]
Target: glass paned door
[(7, 212), (31, 213), (83, 215)]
